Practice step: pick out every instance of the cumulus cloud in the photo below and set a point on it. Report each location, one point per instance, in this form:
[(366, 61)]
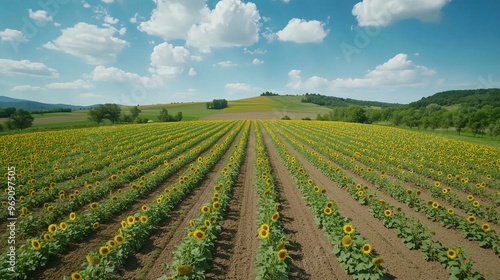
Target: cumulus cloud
[(302, 31), (110, 20), (12, 35), (40, 16), (171, 19), (191, 72), (231, 23), (384, 13), (106, 74), (167, 60), (11, 67), (226, 64), (27, 88), (398, 71), (78, 84), (239, 87), (257, 61), (95, 45)]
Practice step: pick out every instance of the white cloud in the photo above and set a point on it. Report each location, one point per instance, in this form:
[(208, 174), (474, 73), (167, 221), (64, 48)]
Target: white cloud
[(256, 51), (269, 35), (226, 64), (95, 45), (26, 68), (384, 13), (167, 60), (110, 20), (171, 19), (27, 88), (40, 16), (57, 24), (134, 18), (302, 31), (396, 72), (257, 61), (11, 35), (239, 87), (108, 1), (192, 72), (231, 23), (122, 31), (86, 5), (78, 84), (103, 74)]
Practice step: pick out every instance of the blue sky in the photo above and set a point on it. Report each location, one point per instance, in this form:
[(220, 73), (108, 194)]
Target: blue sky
[(161, 51)]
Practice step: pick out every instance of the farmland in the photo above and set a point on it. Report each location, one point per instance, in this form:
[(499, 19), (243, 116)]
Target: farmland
[(240, 199)]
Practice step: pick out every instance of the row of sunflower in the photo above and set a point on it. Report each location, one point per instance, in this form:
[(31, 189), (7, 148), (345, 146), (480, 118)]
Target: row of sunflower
[(38, 251), (407, 173), (97, 188), (410, 230), (135, 230), (272, 260), (61, 198), (192, 256), (52, 162), (434, 211), (354, 253)]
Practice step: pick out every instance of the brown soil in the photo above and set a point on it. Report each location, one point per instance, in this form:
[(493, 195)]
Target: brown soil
[(236, 246), (484, 260), (71, 261), (311, 253), (399, 261), (149, 262)]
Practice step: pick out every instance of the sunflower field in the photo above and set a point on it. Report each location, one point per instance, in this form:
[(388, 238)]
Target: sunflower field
[(245, 199)]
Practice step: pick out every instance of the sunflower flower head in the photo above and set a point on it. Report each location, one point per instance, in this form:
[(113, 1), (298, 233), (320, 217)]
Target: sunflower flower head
[(36, 244), (347, 241), (198, 234), (184, 269), (452, 254), (104, 251), (485, 227), (275, 217), (282, 254), (263, 233), (471, 220), (76, 276), (367, 249), (348, 229)]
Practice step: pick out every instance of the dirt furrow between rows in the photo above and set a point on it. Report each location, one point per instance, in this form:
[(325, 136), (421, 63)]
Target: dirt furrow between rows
[(311, 253), (236, 247), (399, 261), (149, 262), (73, 257), (484, 260)]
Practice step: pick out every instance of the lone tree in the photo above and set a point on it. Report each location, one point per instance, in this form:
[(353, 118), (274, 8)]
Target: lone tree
[(20, 119), (217, 104), (134, 112), (166, 117), (106, 111)]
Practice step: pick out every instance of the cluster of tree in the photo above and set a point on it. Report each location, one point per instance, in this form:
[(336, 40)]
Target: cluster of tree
[(217, 104), (112, 112), (166, 117), (268, 93), (478, 121), (352, 113), (476, 98), (19, 119), (7, 112), (433, 116), (55, 110), (331, 101)]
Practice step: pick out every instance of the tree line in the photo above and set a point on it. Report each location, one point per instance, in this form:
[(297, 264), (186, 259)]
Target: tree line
[(112, 112), (485, 120)]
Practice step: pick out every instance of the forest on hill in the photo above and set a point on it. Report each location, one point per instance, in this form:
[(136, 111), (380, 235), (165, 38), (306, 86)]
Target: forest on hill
[(477, 111)]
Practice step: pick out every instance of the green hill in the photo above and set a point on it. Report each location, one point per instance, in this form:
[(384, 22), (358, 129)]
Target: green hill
[(472, 97)]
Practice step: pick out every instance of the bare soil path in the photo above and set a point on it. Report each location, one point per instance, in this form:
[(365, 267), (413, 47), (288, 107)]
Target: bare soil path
[(399, 261), (236, 247), (311, 253)]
